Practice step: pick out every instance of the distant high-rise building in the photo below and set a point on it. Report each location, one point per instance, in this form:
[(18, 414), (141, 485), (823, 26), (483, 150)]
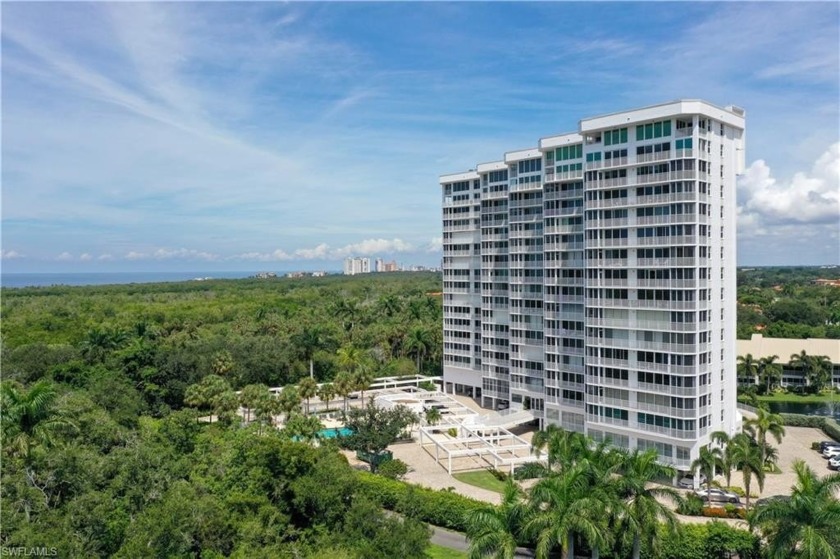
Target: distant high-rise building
[(591, 279), (380, 265), (353, 266)]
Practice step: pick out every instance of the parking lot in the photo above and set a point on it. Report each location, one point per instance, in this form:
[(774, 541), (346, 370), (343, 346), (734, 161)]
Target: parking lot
[(796, 445)]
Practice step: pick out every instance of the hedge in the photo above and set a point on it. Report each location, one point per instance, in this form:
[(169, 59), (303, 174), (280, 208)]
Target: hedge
[(828, 425), (440, 508)]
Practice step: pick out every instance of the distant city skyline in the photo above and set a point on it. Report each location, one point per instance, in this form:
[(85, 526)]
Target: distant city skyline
[(241, 136)]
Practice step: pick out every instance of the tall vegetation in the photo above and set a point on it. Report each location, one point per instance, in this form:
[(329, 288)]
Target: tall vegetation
[(804, 526), (122, 434)]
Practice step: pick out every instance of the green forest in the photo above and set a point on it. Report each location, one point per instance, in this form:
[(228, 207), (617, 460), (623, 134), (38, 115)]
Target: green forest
[(103, 452), (103, 457), (786, 303)]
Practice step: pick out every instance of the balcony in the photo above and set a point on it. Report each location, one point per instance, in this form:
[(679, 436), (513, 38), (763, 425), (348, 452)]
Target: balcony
[(607, 263), (668, 389), (656, 156), (670, 283), (607, 243), (670, 262), (615, 162), (673, 433)]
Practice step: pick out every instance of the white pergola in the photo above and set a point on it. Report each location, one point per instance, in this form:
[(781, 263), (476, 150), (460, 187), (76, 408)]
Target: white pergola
[(494, 445)]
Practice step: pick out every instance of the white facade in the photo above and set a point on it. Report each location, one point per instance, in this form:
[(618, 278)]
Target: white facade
[(353, 266), (592, 279)]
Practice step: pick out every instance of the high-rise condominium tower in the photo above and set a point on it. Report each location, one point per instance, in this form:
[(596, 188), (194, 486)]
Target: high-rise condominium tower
[(591, 279)]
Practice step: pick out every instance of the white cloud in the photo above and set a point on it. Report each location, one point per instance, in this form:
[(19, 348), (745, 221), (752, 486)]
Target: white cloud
[(320, 252), (812, 197), (132, 255), (183, 254), (64, 257), (85, 257), (371, 247), (277, 255), (435, 245), (10, 254), (105, 257)]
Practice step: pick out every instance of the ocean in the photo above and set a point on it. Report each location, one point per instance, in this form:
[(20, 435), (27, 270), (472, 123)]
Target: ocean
[(108, 278)]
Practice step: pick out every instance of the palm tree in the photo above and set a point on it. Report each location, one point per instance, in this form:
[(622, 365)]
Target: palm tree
[(563, 448), (326, 392), (250, 396), (815, 368), (207, 394), (30, 418), (389, 305), (706, 463), (566, 506), (432, 416), (350, 358), (748, 458), (222, 363), (289, 400), (307, 387), (362, 380), (769, 371), (309, 340), (820, 372), (492, 530), (343, 385), (417, 343), (747, 368), (763, 423), (727, 462), (804, 526), (642, 508)]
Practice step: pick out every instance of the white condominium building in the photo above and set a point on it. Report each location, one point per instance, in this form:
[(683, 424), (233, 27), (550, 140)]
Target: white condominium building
[(591, 279), (353, 266)]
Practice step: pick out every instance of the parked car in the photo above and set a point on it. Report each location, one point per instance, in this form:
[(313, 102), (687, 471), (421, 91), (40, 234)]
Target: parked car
[(834, 463), (718, 495), (831, 452), (687, 482), (827, 444)]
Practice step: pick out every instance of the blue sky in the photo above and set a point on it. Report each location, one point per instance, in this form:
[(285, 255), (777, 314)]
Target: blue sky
[(223, 136)]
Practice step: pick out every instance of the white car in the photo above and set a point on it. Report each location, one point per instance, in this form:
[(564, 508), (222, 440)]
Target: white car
[(834, 463), (688, 481), (718, 495), (831, 452)]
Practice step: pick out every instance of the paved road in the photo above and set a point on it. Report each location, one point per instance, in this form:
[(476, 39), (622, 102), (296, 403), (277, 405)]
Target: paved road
[(457, 540)]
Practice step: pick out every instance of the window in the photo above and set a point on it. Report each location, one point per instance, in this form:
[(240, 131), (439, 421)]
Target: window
[(568, 152), (652, 130), (615, 137)]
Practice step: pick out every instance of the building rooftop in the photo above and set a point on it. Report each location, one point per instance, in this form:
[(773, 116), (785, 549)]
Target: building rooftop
[(759, 347)]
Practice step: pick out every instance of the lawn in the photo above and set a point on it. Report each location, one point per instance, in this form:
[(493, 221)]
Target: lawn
[(440, 552), (822, 398), (483, 479)]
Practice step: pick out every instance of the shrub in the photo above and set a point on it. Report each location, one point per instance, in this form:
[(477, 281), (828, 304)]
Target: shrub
[(691, 506), (831, 428), (452, 432), (529, 470), (428, 385), (707, 541), (440, 508), (798, 420), (815, 445), (393, 469), (727, 511), (498, 474)]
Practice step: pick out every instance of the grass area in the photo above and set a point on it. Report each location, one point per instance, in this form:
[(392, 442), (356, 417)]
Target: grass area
[(483, 479), (822, 398), (440, 552)]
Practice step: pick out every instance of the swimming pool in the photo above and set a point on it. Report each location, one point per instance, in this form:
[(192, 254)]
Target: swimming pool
[(334, 432)]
